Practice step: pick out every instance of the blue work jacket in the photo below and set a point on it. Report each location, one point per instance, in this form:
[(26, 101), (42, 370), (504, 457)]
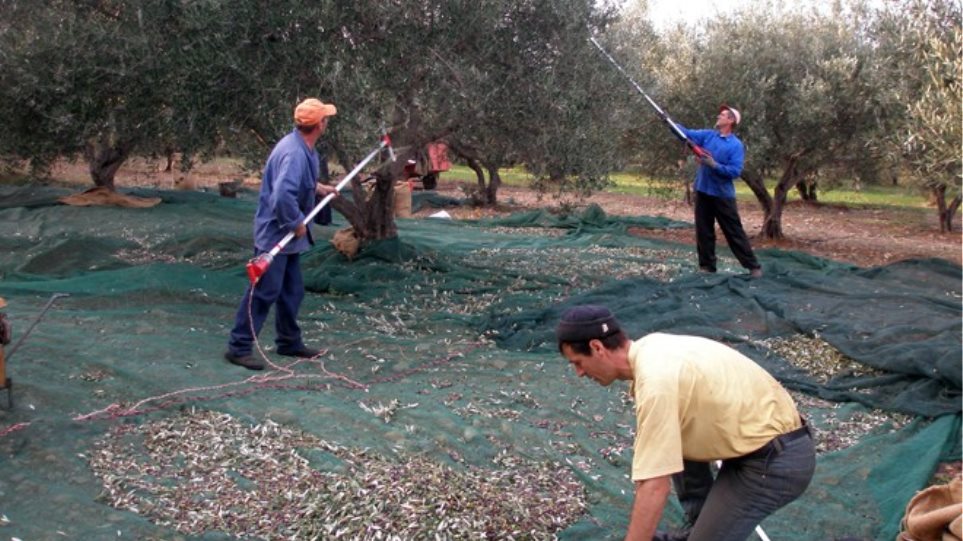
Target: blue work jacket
[(728, 152), (287, 194)]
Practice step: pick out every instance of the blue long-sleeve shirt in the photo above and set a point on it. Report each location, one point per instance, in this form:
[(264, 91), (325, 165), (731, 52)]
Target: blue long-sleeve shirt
[(728, 152), (287, 194)]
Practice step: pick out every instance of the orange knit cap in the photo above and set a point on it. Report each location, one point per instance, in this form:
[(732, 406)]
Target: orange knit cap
[(311, 111)]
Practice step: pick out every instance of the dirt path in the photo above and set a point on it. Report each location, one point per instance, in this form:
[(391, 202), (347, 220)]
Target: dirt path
[(862, 236)]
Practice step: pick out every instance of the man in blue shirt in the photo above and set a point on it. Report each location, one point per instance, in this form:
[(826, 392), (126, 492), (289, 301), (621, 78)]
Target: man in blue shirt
[(716, 196), (289, 187)]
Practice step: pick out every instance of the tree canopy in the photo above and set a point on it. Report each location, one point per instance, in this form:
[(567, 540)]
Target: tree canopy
[(505, 83), (801, 81)]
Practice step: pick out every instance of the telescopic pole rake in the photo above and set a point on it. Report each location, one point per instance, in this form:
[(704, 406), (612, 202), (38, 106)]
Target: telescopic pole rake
[(5, 382), (259, 265), (696, 149)]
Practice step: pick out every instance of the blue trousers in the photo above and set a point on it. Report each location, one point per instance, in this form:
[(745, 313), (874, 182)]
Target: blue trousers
[(281, 286)]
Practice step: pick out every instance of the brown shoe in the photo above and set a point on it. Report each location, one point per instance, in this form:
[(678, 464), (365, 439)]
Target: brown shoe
[(756, 272), (247, 361)]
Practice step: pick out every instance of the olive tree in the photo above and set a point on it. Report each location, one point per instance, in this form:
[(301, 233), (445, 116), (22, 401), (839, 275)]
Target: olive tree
[(107, 80), (801, 80), (479, 75), (531, 93), (78, 79), (111, 79), (577, 122), (921, 47)]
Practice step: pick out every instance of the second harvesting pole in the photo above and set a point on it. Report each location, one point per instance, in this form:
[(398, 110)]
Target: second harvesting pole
[(696, 149)]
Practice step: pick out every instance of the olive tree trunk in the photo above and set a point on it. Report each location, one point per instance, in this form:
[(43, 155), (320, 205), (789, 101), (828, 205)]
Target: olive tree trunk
[(772, 223), (807, 190), (755, 179), (947, 211), (371, 208), (104, 160), (494, 182), (486, 191)]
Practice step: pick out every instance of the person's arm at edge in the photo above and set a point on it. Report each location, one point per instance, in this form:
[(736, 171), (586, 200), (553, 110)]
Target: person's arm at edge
[(650, 497)]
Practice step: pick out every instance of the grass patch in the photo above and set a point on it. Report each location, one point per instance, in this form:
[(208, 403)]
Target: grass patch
[(511, 177), (635, 184)]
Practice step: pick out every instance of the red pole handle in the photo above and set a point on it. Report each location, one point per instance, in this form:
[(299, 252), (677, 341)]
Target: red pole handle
[(699, 151)]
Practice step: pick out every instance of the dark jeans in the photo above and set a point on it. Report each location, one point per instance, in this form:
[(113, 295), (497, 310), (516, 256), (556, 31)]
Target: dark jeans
[(746, 490), (710, 209), (281, 286)]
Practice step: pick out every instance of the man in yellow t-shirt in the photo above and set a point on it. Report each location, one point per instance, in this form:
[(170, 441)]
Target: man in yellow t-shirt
[(696, 401)]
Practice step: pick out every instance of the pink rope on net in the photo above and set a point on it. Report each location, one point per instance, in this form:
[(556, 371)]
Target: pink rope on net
[(13, 428)]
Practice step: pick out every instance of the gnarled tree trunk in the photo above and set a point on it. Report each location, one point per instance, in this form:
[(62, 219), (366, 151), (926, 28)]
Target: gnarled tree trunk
[(371, 209), (104, 158), (494, 182), (756, 182), (807, 189), (951, 211), (486, 193), (946, 211), (479, 191), (772, 223)]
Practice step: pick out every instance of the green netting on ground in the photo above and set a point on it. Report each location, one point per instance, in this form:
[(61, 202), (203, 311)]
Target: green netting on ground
[(422, 199), (440, 368), (903, 320)]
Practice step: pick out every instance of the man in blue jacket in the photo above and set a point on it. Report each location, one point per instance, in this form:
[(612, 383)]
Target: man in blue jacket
[(289, 187), (716, 196)]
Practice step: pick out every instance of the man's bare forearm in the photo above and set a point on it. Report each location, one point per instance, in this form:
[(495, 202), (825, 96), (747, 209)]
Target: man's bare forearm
[(650, 498)]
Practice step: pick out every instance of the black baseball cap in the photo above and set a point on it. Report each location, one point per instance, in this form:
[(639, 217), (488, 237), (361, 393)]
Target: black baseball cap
[(586, 322)]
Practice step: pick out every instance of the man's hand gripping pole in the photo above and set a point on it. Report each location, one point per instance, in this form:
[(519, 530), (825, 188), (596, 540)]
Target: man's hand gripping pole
[(259, 265)]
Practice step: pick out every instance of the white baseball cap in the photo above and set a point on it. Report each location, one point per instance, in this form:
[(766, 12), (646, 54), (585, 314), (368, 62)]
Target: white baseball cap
[(735, 112)]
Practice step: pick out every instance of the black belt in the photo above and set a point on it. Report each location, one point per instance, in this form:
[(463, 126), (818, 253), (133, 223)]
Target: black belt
[(776, 445)]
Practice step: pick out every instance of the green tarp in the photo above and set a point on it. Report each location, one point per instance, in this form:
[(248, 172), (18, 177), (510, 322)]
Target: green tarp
[(452, 323)]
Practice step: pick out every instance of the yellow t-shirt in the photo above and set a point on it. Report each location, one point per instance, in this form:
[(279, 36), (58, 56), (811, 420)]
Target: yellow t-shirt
[(701, 400)]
